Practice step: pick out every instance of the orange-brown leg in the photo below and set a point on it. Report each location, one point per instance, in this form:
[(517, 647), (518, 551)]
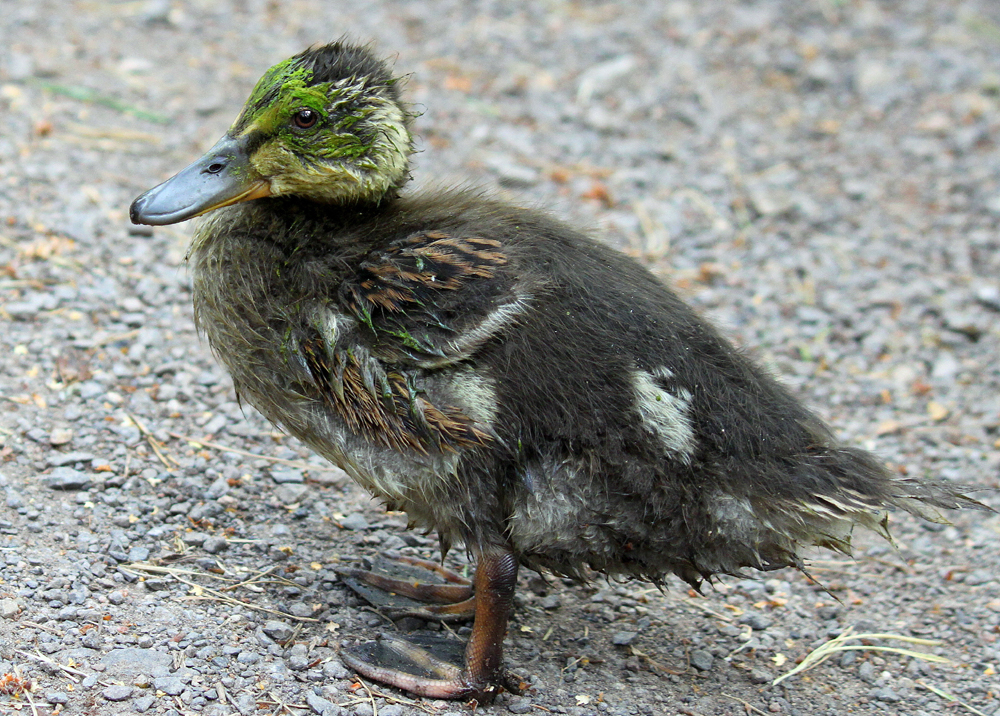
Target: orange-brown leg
[(483, 676)]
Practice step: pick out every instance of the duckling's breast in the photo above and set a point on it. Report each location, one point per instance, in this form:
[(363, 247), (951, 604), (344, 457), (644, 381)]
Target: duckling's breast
[(267, 318)]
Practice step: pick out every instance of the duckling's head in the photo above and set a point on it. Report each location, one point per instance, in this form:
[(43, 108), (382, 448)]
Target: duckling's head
[(326, 125)]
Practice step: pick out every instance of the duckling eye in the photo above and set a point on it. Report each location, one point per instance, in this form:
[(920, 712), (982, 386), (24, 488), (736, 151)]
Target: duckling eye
[(305, 118)]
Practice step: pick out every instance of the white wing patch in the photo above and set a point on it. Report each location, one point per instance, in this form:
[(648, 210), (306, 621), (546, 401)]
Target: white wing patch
[(666, 414)]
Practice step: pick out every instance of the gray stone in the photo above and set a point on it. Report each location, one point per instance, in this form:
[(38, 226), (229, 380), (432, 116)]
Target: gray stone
[(286, 475), (57, 697), (760, 676), (885, 694), (354, 521), (66, 478), (117, 692), (519, 705), (116, 596), (8, 608), (756, 621), (323, 707), (215, 544), (702, 660), (978, 577), (58, 459), (138, 554), (333, 669), (278, 630), (291, 493), (14, 499), (866, 672), (130, 660), (171, 685), (623, 638), (143, 704)]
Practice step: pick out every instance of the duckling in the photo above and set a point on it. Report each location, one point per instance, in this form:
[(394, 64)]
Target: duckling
[(509, 382)]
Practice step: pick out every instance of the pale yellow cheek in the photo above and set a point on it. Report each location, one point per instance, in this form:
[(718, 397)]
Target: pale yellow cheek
[(272, 159)]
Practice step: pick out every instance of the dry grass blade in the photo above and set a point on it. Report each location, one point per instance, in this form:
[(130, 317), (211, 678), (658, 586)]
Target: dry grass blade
[(214, 594), (153, 443), (157, 569), (824, 651), (371, 697), (948, 697)]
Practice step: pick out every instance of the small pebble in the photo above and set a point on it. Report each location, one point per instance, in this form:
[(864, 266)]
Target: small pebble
[(702, 660), (117, 692), (283, 476), (143, 703), (866, 672), (760, 676), (215, 544), (60, 436), (519, 705), (170, 685), (322, 706), (66, 478), (623, 638), (886, 694), (8, 608), (278, 630), (354, 521), (756, 621)]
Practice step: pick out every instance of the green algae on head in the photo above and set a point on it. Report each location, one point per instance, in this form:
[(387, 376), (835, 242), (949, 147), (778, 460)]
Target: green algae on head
[(325, 125)]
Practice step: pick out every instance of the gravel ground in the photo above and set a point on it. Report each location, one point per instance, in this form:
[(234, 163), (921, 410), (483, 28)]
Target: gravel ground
[(821, 177)]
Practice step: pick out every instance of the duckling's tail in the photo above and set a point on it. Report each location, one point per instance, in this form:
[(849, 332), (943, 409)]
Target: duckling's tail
[(815, 499), (841, 487)]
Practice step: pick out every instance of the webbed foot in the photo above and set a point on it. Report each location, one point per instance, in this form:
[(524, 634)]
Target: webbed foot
[(423, 668), (406, 586)]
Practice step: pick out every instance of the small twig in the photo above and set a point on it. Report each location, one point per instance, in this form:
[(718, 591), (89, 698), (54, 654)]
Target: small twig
[(655, 664), (153, 443), (282, 705), (31, 701), (33, 625), (237, 602), (52, 662), (748, 706), (225, 448)]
